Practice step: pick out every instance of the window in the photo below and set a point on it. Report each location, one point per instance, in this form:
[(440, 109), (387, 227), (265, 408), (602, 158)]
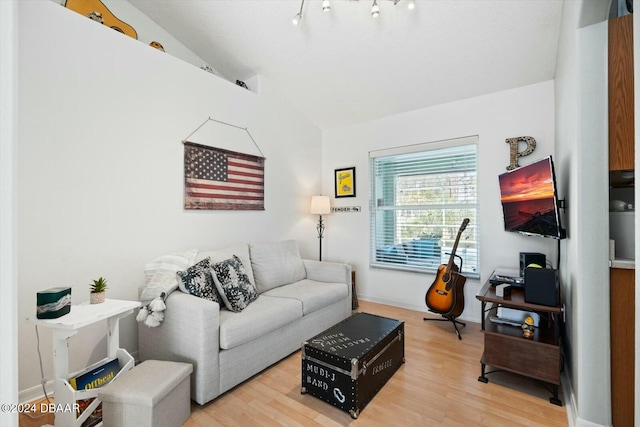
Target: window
[(419, 196)]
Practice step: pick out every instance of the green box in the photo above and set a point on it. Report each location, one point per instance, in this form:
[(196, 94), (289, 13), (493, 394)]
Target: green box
[(53, 303)]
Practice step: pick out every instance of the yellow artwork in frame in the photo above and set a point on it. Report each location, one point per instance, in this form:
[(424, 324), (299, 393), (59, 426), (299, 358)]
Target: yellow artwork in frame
[(345, 182)]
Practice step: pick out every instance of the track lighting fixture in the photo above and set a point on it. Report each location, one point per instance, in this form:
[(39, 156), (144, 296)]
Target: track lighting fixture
[(375, 9), (326, 7)]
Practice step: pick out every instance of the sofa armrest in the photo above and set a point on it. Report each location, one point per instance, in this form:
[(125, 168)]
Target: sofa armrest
[(328, 271), (331, 272), (189, 333)]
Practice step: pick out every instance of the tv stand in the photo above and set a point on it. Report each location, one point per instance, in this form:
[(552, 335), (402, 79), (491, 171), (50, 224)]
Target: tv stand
[(505, 347)]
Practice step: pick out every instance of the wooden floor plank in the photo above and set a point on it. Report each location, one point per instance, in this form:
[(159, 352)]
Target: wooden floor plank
[(436, 386)]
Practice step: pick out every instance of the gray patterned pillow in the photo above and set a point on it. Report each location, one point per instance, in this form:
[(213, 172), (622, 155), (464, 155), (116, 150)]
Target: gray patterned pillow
[(232, 282), (197, 280)]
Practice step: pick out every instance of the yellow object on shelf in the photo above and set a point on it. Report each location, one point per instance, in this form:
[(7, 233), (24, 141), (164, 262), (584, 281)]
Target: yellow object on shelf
[(97, 11), (528, 327)]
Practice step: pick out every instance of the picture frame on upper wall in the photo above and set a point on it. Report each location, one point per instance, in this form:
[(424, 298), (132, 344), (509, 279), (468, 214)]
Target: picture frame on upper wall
[(345, 182)]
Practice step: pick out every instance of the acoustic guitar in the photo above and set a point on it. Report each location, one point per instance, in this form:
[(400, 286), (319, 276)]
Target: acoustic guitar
[(445, 296), (97, 11)]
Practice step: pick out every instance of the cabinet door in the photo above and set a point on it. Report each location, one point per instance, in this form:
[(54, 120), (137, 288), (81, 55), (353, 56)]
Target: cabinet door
[(523, 356), (622, 290), (621, 126)]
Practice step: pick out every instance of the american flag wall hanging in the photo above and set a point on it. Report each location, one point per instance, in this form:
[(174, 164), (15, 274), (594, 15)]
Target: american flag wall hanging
[(219, 179)]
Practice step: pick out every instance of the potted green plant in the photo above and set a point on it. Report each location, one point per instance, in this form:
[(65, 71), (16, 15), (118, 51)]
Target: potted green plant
[(98, 288)]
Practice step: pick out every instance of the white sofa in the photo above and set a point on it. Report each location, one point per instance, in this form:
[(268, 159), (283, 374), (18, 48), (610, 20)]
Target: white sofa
[(298, 299)]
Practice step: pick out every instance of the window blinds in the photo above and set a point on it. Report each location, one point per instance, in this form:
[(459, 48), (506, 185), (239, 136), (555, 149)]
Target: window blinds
[(419, 196)]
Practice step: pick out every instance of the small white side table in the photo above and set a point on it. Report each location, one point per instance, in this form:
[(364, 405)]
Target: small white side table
[(67, 326)]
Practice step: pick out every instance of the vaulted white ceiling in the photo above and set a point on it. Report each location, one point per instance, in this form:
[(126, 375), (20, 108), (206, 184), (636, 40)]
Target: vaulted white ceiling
[(343, 67)]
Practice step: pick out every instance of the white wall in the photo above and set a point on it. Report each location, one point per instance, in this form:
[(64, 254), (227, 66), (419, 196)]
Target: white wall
[(526, 111), (148, 31), (566, 133), (8, 210), (581, 139), (102, 118)]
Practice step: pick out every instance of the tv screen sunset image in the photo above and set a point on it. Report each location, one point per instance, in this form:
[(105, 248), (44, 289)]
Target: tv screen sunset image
[(528, 200)]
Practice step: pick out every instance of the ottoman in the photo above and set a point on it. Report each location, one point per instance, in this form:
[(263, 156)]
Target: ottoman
[(154, 393)]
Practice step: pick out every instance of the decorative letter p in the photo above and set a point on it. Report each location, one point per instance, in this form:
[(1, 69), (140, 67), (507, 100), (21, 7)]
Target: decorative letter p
[(513, 146)]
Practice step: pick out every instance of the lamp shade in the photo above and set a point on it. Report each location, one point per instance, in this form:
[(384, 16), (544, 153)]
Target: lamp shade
[(320, 205)]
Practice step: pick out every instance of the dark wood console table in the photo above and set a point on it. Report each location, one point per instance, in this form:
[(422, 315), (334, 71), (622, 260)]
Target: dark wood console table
[(505, 347)]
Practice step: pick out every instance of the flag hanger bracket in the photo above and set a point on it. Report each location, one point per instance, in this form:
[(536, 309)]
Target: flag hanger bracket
[(210, 119)]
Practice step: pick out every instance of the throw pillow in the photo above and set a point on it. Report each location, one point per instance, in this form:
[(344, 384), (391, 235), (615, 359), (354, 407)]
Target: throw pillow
[(241, 250), (232, 282), (197, 280)]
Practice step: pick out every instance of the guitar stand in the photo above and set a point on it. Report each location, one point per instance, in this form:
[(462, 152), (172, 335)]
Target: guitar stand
[(449, 318)]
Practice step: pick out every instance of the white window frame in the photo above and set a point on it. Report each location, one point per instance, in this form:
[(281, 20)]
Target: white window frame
[(403, 258)]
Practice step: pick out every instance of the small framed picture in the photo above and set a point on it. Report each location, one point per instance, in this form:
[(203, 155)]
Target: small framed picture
[(345, 182)]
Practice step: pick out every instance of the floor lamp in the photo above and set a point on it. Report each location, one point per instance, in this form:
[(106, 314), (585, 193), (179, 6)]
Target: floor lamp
[(319, 206)]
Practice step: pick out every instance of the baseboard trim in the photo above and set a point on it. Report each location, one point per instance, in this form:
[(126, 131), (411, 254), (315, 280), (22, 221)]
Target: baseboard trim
[(569, 399), (415, 307), (35, 393), (584, 423)]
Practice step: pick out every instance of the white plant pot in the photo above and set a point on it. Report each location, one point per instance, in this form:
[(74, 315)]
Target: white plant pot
[(96, 297)]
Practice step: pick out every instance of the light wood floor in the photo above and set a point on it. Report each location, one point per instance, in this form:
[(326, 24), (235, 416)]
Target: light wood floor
[(438, 385)]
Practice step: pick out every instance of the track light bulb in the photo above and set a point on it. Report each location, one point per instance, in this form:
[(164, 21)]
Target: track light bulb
[(296, 19), (375, 10), (326, 6), (411, 5)]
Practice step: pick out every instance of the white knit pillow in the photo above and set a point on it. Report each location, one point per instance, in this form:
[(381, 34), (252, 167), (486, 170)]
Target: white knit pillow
[(160, 275)]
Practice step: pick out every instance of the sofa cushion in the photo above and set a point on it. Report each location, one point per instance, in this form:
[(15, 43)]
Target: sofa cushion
[(231, 281), (197, 280), (262, 316), (312, 294), (240, 250), (276, 264)]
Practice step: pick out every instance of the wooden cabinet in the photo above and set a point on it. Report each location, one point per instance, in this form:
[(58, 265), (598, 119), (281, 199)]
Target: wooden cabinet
[(539, 358), (621, 99), (622, 302), (621, 157), (506, 348)]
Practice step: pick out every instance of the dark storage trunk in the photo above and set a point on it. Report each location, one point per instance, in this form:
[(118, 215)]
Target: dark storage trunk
[(347, 364)]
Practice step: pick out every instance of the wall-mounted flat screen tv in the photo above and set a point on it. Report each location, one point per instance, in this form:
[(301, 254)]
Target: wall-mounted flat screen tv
[(530, 200)]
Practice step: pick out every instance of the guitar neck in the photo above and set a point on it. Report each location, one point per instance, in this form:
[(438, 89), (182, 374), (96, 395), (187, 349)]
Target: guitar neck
[(453, 252), (455, 245)]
